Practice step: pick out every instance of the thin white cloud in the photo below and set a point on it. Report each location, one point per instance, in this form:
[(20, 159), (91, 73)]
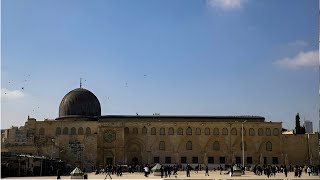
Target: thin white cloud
[(11, 94), (302, 59), (226, 5), (298, 43)]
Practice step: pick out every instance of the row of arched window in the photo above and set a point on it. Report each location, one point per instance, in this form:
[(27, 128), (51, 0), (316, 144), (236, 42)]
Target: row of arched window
[(215, 146), (73, 131), (207, 131)]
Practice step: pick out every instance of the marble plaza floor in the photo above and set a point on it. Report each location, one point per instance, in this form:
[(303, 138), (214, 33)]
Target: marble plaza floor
[(181, 175)]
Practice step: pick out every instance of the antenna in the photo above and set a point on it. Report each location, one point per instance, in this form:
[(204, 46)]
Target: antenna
[(80, 82)]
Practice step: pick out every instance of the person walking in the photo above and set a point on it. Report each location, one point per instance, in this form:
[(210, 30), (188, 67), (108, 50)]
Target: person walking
[(285, 171), (188, 170), (207, 171), (309, 170), (146, 170), (58, 174)]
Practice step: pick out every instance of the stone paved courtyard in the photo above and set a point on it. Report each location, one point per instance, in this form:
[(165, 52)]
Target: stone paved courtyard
[(181, 175)]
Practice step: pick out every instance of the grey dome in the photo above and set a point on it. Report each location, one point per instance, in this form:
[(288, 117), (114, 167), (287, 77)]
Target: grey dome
[(79, 102)]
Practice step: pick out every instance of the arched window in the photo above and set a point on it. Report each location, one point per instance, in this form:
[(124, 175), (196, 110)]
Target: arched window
[(251, 132), (216, 146), (58, 131), (162, 146), (153, 131), (198, 131), (162, 131), (216, 131), (269, 146), (260, 132), (268, 132), (135, 130), (234, 131), (224, 131), (41, 131), (245, 145), (244, 131), (189, 145), (80, 131), (189, 131), (171, 131), (180, 131), (88, 130), (275, 132), (73, 131), (144, 130), (65, 130), (126, 130), (207, 131)]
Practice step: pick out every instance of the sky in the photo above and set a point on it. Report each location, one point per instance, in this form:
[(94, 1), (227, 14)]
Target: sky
[(181, 57)]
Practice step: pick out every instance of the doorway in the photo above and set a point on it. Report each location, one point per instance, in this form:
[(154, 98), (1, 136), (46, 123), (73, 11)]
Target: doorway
[(109, 160), (135, 161)]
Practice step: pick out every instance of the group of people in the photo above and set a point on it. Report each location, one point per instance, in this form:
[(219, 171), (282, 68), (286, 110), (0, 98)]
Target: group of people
[(269, 170)]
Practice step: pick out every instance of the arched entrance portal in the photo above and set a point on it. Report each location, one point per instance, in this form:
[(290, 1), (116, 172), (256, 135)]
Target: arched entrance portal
[(135, 161), (134, 153)]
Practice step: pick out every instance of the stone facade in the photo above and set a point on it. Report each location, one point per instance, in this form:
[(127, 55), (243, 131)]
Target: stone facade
[(92, 142), (167, 140)]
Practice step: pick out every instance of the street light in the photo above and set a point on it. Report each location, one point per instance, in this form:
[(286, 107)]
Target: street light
[(242, 145)]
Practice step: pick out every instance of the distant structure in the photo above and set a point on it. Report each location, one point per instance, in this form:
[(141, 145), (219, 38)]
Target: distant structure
[(299, 129), (308, 126)]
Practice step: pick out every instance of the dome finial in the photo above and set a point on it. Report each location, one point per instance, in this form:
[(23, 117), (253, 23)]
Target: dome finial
[(80, 82)]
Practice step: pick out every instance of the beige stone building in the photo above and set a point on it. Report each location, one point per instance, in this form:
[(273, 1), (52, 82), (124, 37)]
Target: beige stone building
[(82, 137)]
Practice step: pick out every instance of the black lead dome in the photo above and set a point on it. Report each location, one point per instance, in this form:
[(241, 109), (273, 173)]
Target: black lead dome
[(80, 102)]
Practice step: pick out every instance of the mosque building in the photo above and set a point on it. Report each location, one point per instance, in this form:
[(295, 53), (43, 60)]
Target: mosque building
[(81, 136)]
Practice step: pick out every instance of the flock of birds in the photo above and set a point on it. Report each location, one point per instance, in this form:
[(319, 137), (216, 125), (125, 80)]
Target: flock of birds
[(27, 79)]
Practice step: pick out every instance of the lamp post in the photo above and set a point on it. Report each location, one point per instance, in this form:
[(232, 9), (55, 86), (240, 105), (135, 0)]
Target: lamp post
[(242, 144)]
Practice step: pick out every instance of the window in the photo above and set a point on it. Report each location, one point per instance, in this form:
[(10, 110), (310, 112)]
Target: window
[(189, 131), (183, 159), (210, 160), (268, 146), (135, 130), (215, 131), (65, 130), (224, 131), (156, 160), (268, 132), (238, 160), (144, 130), (168, 160), (251, 132), (180, 131), (260, 132), (162, 146), (234, 131), (126, 130), (58, 131), (41, 131), (216, 146), (244, 131), (244, 144), (189, 145), (153, 131), (80, 130), (198, 131), (274, 160), (88, 130), (249, 160), (171, 131), (222, 160), (275, 132), (73, 131), (207, 131), (194, 159), (162, 131)]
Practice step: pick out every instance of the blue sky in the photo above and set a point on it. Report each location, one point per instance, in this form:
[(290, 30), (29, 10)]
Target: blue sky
[(182, 57)]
